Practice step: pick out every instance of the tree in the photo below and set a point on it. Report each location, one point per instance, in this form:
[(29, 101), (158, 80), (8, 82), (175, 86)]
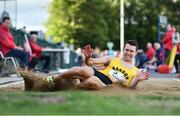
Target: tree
[(96, 22), (141, 18), (82, 22)]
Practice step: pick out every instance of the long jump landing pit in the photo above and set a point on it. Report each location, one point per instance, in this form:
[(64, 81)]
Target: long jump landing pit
[(153, 86)]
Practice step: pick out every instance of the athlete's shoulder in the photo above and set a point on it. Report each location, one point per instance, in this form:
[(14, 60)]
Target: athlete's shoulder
[(115, 58), (110, 58)]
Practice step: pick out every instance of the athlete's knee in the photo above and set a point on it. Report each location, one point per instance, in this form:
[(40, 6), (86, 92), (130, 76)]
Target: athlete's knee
[(84, 71), (79, 70), (76, 70)]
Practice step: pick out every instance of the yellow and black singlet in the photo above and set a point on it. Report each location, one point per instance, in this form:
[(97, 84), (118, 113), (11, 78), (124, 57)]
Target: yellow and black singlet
[(116, 71)]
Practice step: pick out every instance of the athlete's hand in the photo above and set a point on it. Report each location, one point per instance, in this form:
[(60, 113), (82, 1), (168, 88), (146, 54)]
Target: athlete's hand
[(88, 51), (143, 75)]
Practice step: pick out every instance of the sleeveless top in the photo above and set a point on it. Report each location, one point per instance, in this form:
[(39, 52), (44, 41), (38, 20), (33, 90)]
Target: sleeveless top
[(117, 72)]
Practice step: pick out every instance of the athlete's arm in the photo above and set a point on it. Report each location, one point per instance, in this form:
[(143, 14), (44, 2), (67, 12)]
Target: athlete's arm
[(97, 62), (140, 77), (88, 51)]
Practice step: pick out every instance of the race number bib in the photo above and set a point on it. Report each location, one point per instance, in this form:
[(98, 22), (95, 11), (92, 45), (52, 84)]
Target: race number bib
[(117, 75)]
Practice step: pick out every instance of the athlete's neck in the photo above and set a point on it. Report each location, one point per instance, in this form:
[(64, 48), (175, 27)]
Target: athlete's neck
[(127, 64), (126, 61)]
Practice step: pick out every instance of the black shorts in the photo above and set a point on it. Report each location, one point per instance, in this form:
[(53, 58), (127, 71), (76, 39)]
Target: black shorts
[(102, 77)]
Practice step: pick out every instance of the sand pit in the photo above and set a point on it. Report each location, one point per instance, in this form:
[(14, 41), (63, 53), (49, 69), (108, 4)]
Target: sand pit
[(12, 87), (153, 86)]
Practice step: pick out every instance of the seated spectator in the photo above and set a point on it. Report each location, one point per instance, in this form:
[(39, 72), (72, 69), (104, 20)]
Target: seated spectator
[(148, 56), (139, 56), (158, 53), (8, 46), (37, 54), (150, 53)]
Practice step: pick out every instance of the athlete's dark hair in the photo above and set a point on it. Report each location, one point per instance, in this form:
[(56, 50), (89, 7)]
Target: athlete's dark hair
[(133, 43)]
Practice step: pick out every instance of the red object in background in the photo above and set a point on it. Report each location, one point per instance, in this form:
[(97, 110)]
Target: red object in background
[(178, 48), (6, 40), (36, 49), (150, 53), (163, 69), (178, 76), (167, 40)]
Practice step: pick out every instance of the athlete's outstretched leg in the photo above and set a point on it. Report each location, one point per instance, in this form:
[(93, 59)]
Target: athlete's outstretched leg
[(50, 83)]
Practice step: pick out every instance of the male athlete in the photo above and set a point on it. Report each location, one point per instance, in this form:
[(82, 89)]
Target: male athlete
[(111, 70)]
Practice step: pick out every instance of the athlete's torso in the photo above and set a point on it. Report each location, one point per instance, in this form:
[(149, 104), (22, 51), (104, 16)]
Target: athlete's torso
[(115, 71)]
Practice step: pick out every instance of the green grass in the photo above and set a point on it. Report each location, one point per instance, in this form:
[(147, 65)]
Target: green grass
[(83, 102)]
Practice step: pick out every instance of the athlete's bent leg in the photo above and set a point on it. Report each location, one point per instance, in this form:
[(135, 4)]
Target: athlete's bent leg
[(82, 72)]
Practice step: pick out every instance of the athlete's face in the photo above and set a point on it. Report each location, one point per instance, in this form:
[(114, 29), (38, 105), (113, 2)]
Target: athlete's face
[(129, 52)]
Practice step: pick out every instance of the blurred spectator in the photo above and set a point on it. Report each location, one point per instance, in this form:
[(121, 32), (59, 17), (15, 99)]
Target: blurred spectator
[(158, 53), (79, 59), (104, 53), (110, 52), (150, 53), (8, 46), (139, 57), (167, 40), (96, 53), (148, 56), (37, 54)]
